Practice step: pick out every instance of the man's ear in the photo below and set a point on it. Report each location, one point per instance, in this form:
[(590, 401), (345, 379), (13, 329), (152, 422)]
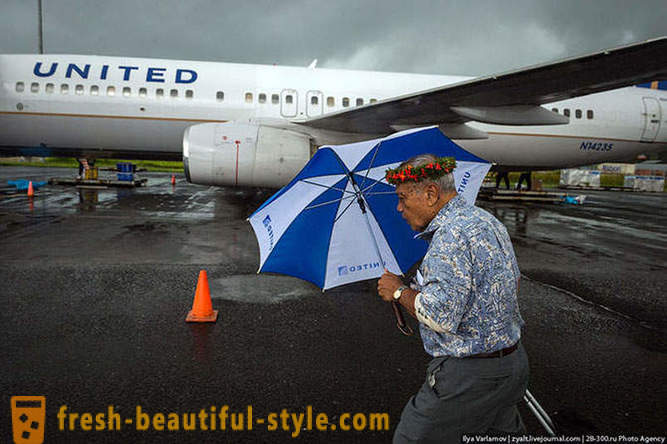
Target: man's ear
[(432, 194)]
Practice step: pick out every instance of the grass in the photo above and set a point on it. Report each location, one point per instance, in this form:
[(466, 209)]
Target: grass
[(550, 179), (71, 162), (611, 180)]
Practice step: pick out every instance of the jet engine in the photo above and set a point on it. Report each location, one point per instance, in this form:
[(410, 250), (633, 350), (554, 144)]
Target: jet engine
[(243, 154)]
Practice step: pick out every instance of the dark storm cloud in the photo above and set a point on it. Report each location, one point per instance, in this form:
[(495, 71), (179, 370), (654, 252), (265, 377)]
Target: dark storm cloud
[(444, 37)]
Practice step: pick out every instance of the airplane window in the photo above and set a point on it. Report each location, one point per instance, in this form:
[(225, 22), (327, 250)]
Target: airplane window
[(49, 88), (275, 98), (94, 90), (374, 100), (314, 100), (262, 98), (126, 91), (111, 90), (331, 101), (20, 86), (189, 94), (346, 102), (159, 92), (78, 90), (360, 102), (248, 97), (566, 112), (173, 93), (589, 114), (555, 110), (220, 96), (64, 88), (288, 98), (34, 87), (142, 92), (577, 114)]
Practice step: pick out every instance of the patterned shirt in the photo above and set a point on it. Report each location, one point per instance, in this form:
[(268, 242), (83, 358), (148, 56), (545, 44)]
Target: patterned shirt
[(467, 301)]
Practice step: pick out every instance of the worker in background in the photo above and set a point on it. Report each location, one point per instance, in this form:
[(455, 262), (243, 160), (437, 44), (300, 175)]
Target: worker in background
[(503, 175), (527, 176), (83, 166)]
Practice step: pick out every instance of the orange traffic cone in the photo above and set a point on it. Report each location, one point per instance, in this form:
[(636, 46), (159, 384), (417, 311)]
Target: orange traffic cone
[(202, 309), (173, 179), (31, 191)]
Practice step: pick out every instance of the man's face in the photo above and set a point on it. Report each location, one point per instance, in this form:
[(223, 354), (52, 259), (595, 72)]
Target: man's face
[(413, 205)]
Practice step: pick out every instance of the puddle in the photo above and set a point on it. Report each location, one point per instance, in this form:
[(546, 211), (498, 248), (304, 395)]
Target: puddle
[(261, 288)]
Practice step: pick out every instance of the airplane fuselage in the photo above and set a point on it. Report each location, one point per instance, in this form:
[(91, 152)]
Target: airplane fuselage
[(100, 106)]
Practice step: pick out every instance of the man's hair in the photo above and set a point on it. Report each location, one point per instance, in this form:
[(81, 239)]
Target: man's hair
[(445, 182)]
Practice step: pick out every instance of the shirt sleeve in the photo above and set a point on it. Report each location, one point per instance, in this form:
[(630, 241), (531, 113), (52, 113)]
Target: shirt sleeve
[(442, 299)]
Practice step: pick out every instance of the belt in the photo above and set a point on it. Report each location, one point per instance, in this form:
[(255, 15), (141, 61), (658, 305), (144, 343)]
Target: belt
[(498, 353)]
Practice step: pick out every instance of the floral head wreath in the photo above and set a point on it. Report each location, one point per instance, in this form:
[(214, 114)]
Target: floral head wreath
[(429, 171)]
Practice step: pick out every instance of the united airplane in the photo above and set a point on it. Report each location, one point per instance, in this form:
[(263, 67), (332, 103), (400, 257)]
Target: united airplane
[(257, 125)]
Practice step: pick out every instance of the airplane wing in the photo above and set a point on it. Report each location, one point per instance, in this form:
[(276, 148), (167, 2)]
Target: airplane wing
[(508, 98)]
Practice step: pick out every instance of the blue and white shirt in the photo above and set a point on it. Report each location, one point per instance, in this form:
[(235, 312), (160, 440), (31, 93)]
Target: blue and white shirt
[(467, 301)]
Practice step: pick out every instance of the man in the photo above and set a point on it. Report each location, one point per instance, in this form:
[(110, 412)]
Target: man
[(526, 175), (466, 304), (503, 175)]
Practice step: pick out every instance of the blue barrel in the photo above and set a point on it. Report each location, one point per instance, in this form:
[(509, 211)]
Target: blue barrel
[(125, 167)]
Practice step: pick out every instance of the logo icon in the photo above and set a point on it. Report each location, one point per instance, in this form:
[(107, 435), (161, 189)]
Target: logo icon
[(28, 419), (267, 224), (342, 270)]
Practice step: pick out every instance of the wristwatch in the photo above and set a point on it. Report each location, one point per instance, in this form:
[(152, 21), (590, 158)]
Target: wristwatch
[(398, 292)]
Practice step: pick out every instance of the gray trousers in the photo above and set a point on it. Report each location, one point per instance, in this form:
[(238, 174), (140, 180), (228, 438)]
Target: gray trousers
[(466, 396)]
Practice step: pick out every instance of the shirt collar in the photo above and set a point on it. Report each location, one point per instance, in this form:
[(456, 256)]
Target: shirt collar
[(440, 219)]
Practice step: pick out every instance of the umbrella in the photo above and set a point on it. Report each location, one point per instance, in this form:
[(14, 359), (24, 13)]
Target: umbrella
[(336, 221)]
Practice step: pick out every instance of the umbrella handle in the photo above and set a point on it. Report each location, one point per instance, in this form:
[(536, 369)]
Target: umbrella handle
[(400, 320)]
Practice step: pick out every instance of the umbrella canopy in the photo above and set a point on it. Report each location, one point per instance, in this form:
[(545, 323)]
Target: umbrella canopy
[(336, 221)]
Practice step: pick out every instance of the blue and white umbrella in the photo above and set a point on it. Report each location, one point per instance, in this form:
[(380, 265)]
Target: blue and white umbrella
[(336, 221)]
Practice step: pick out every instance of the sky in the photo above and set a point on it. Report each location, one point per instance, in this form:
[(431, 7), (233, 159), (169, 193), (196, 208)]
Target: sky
[(457, 37)]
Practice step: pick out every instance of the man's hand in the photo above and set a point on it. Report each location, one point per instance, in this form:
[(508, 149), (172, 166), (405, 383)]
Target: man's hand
[(388, 284)]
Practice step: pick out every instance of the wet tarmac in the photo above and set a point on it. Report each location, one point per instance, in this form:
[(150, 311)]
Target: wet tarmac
[(96, 285)]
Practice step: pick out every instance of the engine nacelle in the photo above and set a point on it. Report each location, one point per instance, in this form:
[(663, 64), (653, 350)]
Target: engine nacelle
[(243, 154)]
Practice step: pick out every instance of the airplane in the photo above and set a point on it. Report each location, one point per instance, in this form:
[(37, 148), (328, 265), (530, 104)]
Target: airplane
[(258, 125)]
